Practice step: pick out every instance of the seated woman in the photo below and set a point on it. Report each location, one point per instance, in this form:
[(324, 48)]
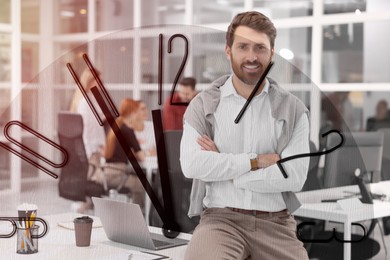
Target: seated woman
[(117, 161)]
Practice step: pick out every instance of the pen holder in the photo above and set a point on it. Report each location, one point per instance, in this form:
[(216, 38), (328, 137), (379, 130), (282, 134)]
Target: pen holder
[(27, 240)]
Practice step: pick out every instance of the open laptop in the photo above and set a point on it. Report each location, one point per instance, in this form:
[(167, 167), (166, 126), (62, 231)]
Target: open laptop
[(123, 222)]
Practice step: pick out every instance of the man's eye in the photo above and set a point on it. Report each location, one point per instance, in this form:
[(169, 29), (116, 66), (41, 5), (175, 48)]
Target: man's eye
[(261, 48), (241, 47)]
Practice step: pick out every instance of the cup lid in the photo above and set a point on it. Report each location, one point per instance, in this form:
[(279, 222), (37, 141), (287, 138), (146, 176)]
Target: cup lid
[(83, 219)]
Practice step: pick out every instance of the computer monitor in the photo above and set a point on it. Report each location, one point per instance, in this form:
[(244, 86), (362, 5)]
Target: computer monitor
[(361, 150)]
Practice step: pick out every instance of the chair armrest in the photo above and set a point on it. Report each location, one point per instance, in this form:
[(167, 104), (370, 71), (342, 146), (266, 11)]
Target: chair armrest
[(101, 173), (114, 168)]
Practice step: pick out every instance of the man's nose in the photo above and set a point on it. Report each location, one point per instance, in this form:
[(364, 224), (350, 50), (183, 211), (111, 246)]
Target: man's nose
[(252, 57)]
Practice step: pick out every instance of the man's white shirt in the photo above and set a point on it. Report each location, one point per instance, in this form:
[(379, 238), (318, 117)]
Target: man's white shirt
[(229, 181)]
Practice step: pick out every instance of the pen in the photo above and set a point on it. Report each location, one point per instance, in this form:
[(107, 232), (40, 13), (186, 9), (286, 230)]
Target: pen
[(161, 256)]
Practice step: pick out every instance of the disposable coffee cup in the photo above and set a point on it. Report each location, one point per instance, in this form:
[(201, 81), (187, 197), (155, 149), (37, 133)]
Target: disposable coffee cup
[(83, 229)]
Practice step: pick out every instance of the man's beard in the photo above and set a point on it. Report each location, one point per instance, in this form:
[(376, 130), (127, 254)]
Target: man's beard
[(247, 77)]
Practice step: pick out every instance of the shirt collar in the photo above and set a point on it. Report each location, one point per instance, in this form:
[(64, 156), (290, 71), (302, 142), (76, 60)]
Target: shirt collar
[(228, 89)]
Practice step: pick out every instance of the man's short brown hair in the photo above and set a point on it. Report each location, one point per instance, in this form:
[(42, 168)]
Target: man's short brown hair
[(188, 82), (254, 20)]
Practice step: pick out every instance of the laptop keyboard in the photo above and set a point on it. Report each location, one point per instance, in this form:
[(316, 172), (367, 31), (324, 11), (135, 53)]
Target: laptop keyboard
[(158, 243)]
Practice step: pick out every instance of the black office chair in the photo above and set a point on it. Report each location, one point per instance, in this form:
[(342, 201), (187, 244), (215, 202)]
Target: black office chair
[(363, 151), (73, 183), (386, 170), (180, 186)]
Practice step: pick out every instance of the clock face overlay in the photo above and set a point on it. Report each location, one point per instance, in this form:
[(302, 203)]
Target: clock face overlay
[(146, 64)]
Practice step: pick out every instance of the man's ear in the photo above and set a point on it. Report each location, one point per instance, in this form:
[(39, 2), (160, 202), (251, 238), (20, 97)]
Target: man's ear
[(228, 51), (272, 53)]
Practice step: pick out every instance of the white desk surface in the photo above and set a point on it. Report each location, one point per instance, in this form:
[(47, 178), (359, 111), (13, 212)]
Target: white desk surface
[(313, 207), (59, 243)]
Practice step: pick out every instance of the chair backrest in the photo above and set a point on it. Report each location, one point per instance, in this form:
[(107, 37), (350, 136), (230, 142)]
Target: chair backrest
[(73, 176), (386, 153), (312, 180), (180, 185), (361, 150), (386, 142)]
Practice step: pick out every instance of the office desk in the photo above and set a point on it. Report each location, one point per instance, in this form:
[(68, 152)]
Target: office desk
[(313, 208), (59, 243), (149, 165)]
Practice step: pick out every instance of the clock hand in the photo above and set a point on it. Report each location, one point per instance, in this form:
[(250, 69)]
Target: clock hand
[(170, 228), (279, 163), (164, 175), (253, 92), (168, 222)]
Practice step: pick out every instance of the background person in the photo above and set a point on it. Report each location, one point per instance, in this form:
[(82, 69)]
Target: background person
[(128, 121), (173, 115), (381, 118)]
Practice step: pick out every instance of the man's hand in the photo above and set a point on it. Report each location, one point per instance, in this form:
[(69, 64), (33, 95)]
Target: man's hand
[(265, 160), (207, 144)]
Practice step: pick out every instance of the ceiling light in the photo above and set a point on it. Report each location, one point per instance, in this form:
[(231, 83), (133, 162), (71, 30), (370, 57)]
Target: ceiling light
[(67, 13), (286, 53)]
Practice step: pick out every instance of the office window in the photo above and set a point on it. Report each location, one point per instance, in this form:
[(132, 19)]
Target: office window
[(149, 59), (342, 53), (5, 57), (4, 169), (215, 11), (30, 14), (63, 98), (5, 11), (356, 6), (71, 52), (166, 12), (70, 16), (152, 12), (30, 60), (5, 96), (343, 110), (354, 52), (114, 15), (209, 56), (30, 107), (114, 59), (294, 46), (284, 8)]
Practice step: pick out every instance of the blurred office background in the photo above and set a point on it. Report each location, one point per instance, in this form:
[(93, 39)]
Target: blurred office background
[(340, 45)]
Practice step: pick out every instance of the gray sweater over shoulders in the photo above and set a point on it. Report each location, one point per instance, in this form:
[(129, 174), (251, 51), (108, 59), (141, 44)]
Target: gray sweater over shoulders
[(200, 115)]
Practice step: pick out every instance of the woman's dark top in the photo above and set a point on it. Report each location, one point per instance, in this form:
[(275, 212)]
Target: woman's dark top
[(119, 155)]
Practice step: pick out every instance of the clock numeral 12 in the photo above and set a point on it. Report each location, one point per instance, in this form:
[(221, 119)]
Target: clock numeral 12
[(179, 72)]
